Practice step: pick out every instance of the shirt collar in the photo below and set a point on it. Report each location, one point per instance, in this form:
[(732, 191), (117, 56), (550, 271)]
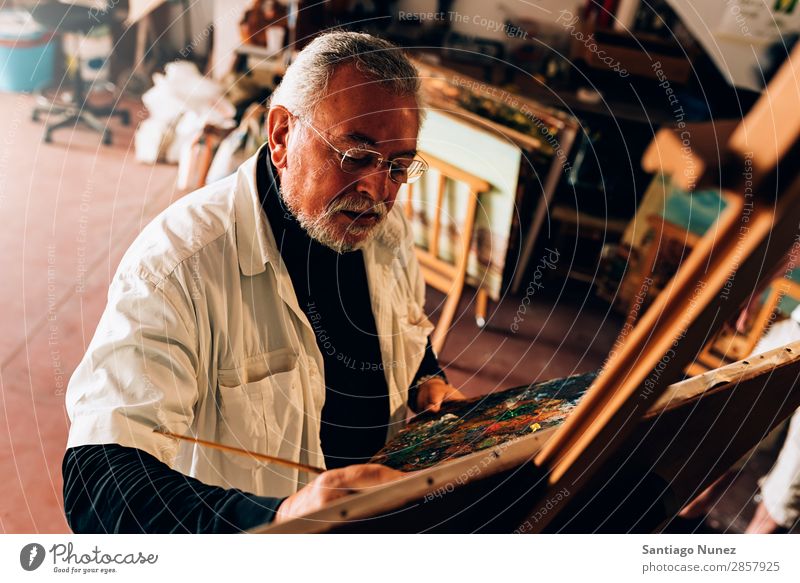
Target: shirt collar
[(255, 242)]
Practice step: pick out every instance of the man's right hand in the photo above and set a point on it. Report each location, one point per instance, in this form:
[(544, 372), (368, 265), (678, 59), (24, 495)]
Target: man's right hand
[(332, 485)]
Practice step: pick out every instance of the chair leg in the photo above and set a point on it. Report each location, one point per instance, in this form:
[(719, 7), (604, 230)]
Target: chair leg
[(123, 114), (481, 307), (90, 120), (65, 122), (48, 110), (44, 106), (73, 118)]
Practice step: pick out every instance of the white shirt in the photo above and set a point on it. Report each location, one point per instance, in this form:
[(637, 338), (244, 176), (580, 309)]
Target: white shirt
[(203, 336)]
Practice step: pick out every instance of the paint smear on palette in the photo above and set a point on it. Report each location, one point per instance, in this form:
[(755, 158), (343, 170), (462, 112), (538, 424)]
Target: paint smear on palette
[(468, 426)]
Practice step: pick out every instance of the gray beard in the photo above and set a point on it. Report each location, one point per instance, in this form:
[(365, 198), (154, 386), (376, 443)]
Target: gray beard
[(322, 231)]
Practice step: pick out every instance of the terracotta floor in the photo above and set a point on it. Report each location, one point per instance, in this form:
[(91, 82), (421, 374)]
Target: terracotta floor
[(70, 209)]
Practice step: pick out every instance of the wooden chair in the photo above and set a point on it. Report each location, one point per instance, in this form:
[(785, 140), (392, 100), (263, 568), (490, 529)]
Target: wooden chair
[(442, 275), (729, 345)]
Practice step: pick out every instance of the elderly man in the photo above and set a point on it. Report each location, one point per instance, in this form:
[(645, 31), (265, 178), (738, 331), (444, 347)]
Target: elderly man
[(278, 311)]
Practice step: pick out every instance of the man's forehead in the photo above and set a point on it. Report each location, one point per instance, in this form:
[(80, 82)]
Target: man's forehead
[(371, 115), (354, 105)]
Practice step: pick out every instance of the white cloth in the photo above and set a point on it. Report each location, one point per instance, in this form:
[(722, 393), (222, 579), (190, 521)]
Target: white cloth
[(203, 336), (780, 488)]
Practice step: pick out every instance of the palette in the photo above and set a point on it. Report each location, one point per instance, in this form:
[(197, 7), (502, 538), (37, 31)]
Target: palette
[(464, 427)]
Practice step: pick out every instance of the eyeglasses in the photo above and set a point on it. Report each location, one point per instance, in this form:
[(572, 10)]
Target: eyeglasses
[(357, 160)]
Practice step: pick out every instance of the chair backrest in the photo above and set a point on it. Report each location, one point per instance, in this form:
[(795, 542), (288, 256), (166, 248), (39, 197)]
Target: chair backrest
[(781, 287), (446, 276), (430, 256)]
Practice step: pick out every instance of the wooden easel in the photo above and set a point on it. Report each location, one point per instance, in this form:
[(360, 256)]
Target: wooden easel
[(491, 490), (753, 235)]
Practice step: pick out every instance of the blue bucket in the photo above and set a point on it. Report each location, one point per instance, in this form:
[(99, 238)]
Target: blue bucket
[(27, 53)]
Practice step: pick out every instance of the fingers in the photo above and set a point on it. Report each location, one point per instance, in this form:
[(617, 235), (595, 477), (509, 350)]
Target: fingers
[(362, 476), (352, 479), (434, 402), (335, 484), (440, 393), (455, 395)]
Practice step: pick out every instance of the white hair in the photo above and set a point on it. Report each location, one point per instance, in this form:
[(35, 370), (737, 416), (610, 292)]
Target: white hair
[(306, 80)]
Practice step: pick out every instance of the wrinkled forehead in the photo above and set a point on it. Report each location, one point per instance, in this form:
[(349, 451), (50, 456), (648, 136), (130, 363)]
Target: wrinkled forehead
[(356, 105)]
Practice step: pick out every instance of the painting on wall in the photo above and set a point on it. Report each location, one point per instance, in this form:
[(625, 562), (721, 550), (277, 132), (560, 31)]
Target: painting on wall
[(464, 427)]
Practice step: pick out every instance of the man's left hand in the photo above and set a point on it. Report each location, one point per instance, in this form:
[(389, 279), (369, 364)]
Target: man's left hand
[(435, 391)]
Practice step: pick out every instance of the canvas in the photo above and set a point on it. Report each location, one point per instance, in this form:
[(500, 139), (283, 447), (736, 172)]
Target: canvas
[(464, 427)]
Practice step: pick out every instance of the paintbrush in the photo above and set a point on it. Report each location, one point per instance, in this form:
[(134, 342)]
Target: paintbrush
[(259, 456)]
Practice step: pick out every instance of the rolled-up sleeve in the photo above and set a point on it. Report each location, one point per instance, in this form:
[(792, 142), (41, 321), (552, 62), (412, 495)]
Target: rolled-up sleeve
[(139, 371)]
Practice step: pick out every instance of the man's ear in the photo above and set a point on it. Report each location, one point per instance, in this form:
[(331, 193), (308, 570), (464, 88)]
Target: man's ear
[(278, 135)]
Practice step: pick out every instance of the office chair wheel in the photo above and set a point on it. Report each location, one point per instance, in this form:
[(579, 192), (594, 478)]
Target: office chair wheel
[(35, 115), (106, 138), (125, 118), (48, 139)]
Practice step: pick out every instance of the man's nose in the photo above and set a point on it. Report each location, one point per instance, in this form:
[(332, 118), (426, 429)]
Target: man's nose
[(375, 184)]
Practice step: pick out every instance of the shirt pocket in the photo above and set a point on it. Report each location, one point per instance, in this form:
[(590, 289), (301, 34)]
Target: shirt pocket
[(258, 402), (415, 316)]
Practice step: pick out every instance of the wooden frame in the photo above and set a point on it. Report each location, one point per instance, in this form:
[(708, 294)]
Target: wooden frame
[(780, 288), (664, 233), (567, 132)]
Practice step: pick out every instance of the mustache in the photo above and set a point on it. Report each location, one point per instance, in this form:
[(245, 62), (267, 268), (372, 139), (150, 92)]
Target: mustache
[(357, 204)]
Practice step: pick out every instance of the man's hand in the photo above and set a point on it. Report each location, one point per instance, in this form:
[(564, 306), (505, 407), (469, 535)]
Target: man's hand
[(435, 391), (332, 485)]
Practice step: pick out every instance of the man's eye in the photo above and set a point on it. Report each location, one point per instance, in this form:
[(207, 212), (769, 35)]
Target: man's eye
[(359, 155), (402, 163)]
